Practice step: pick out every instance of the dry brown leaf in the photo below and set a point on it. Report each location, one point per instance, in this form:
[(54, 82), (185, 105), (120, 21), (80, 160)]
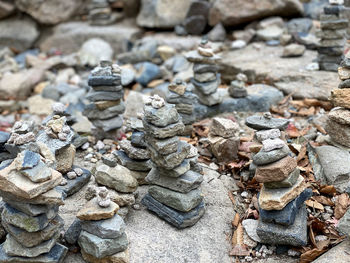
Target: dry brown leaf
[(310, 255), (341, 205), (302, 153), (320, 128), (328, 189), (240, 251), (323, 200), (314, 204), (236, 220)]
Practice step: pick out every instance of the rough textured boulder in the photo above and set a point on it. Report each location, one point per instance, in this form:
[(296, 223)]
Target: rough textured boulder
[(50, 11), (162, 13), (236, 12)]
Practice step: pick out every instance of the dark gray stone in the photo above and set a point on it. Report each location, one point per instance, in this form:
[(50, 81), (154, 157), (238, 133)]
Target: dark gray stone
[(104, 95), (198, 7), (73, 186), (328, 66), (344, 63), (333, 9), (138, 139), (207, 87), (176, 171), (297, 25), (203, 68), (110, 160), (262, 123), (163, 146), (15, 149), (56, 255), (176, 218), (4, 136), (262, 158), (92, 112), (54, 144), (109, 228), (293, 235), (286, 216), (108, 88), (73, 232), (164, 132), (332, 51), (79, 141), (29, 209), (114, 80), (30, 159), (344, 84), (187, 98), (161, 117), (109, 124), (134, 165), (147, 72), (195, 25)]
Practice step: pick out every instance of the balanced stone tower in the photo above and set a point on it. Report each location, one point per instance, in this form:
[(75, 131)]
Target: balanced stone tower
[(206, 78), (30, 211), (175, 195), (333, 34), (103, 237), (283, 215), (107, 99), (338, 122), (237, 88)]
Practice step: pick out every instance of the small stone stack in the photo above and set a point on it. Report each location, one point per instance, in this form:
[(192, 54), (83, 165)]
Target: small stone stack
[(184, 99), (30, 214), (338, 122), (107, 97), (133, 153), (237, 88), (103, 237), (100, 13), (283, 217), (206, 78), (333, 36), (174, 196)]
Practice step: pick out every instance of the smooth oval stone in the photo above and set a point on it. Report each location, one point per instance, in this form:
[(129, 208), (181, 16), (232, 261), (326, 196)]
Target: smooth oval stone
[(262, 157), (262, 123)]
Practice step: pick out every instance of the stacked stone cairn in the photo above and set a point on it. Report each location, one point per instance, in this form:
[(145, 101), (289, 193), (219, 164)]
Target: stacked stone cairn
[(181, 94), (30, 211), (283, 215), (102, 237), (338, 121), (174, 195), (206, 78), (106, 96), (133, 153), (100, 13), (237, 88), (333, 34)]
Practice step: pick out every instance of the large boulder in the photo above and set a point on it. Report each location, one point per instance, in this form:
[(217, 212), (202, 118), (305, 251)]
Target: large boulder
[(69, 37), (162, 13), (50, 11), (19, 34), (232, 13)]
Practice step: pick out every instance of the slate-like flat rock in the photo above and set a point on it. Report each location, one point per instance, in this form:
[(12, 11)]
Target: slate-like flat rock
[(262, 123), (109, 228), (92, 211), (161, 117), (134, 165), (73, 186)]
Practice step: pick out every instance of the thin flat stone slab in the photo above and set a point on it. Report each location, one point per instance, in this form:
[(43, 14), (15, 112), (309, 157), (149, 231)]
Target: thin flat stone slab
[(56, 255), (17, 184), (27, 208), (120, 257), (340, 115), (33, 239), (99, 247), (38, 174), (30, 159), (163, 146), (172, 160), (164, 132), (286, 216), (179, 201), (104, 95), (176, 171), (262, 123), (263, 158), (29, 223), (334, 24), (277, 199), (176, 218), (13, 248), (161, 117), (207, 87), (54, 144), (109, 124), (203, 68), (272, 144), (73, 186), (109, 228), (118, 178), (276, 171), (293, 235), (340, 133), (111, 80), (138, 139), (267, 134), (92, 211), (134, 152), (205, 77), (194, 57), (211, 99), (187, 98), (183, 184), (224, 127), (134, 165), (115, 88), (288, 182), (92, 112)]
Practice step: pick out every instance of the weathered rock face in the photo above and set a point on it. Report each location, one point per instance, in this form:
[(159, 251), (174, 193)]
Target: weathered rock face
[(49, 12), (69, 37), (162, 13), (232, 13), (6, 8), (18, 33)]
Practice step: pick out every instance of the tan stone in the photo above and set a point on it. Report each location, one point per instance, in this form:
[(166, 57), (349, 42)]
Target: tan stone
[(121, 257), (277, 171), (102, 105), (341, 116), (13, 182), (224, 150), (92, 211), (277, 199), (340, 133), (166, 52), (65, 159), (179, 89), (255, 148), (46, 153), (224, 127), (343, 73), (341, 98)]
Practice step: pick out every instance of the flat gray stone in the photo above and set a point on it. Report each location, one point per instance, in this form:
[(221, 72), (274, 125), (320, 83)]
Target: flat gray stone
[(293, 235), (104, 80), (109, 228), (205, 77), (73, 186), (115, 88), (54, 144), (288, 182), (138, 139), (134, 165), (109, 124), (250, 226), (209, 99), (104, 95), (164, 132), (272, 144), (344, 224), (73, 232), (262, 157), (183, 202), (176, 171), (161, 117), (30, 159), (187, 98), (93, 113), (262, 123), (134, 152), (27, 208), (185, 183), (194, 57), (339, 254), (101, 248), (207, 87), (203, 68), (163, 146), (39, 173)]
